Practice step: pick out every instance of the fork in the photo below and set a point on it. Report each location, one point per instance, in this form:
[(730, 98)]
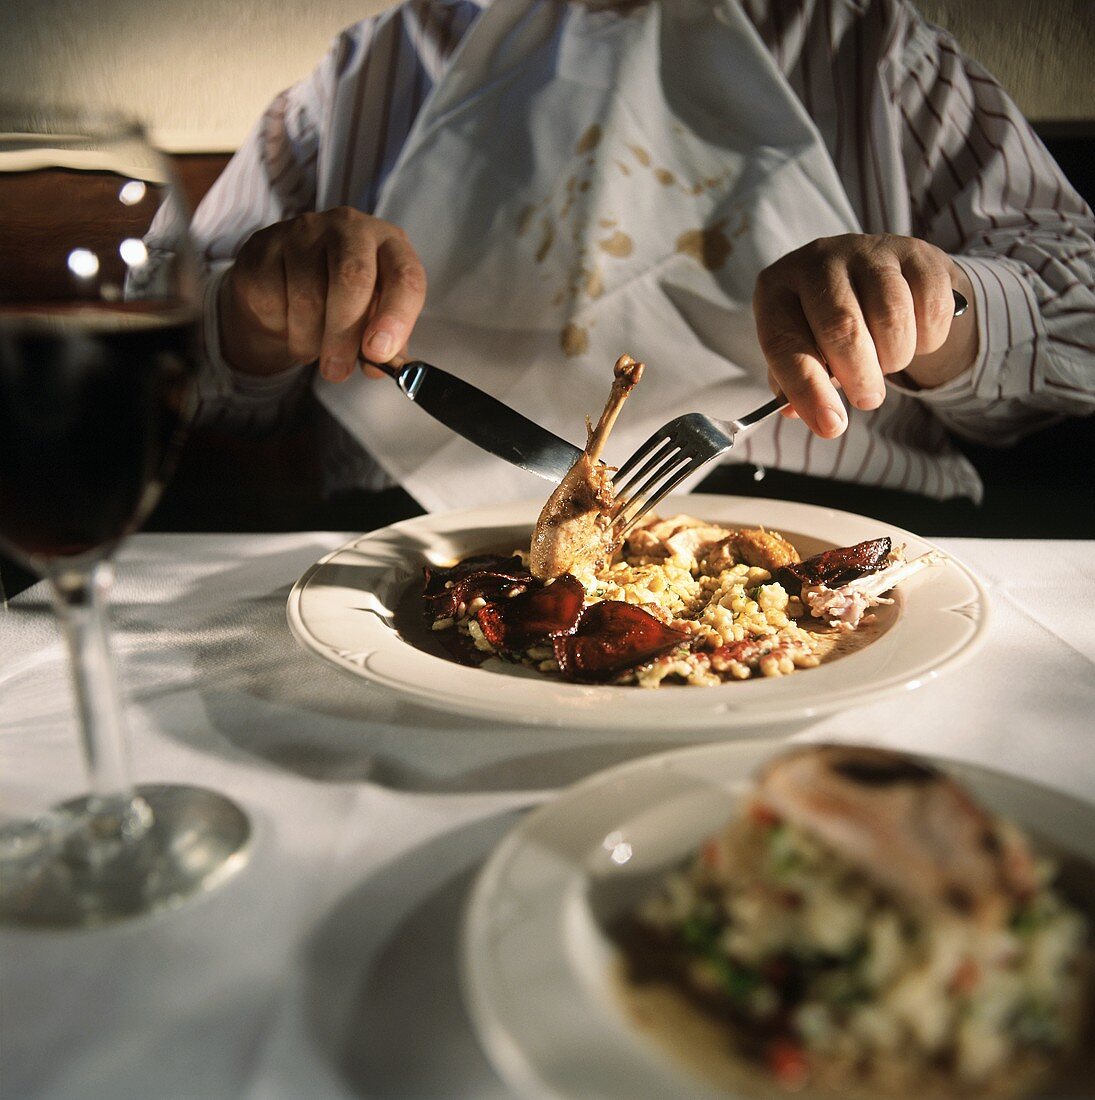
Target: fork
[(682, 447), (676, 451)]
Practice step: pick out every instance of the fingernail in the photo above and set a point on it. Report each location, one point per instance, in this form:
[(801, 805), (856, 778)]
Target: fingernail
[(380, 345), (830, 421), (334, 370), (871, 400)]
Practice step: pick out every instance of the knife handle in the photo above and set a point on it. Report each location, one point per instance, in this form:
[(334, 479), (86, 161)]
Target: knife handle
[(391, 368)]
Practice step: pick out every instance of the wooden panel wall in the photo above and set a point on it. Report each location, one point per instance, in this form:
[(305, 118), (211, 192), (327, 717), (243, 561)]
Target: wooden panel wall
[(198, 172)]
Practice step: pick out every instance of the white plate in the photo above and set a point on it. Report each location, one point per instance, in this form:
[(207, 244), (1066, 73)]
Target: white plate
[(536, 964), (358, 607)]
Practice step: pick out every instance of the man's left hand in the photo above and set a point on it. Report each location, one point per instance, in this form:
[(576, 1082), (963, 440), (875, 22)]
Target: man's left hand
[(848, 311)]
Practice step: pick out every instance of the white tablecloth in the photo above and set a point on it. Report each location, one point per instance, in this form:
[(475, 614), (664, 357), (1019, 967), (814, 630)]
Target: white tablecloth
[(327, 968)]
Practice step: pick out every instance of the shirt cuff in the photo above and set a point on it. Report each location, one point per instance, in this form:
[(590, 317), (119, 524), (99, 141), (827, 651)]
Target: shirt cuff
[(220, 380), (1008, 330)]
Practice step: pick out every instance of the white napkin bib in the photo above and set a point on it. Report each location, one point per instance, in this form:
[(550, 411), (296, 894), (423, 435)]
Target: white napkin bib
[(582, 184)]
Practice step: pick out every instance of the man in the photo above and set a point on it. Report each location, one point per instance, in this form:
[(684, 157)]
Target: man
[(767, 194)]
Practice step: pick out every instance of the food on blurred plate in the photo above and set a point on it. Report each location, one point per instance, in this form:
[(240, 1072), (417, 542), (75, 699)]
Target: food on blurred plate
[(681, 601), (863, 928)]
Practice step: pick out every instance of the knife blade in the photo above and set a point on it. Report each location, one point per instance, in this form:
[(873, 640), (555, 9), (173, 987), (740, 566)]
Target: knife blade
[(481, 419)]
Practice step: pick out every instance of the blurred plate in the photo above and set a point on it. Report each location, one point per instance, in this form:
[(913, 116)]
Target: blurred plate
[(359, 608), (537, 967)]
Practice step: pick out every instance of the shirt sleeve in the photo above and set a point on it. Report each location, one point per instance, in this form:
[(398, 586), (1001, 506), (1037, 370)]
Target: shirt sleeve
[(986, 190), (272, 177)]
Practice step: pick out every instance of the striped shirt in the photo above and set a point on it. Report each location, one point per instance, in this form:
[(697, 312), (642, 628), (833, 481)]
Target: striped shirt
[(925, 142)]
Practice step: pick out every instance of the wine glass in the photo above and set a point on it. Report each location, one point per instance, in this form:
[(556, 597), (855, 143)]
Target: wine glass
[(99, 309)]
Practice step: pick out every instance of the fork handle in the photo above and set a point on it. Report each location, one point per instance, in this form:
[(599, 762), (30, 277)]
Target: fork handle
[(779, 401), (757, 415)]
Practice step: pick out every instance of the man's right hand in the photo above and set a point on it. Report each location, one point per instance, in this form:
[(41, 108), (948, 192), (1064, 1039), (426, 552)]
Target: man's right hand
[(327, 287)]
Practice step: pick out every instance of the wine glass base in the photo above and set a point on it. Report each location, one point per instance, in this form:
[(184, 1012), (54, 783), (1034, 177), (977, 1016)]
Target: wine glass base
[(50, 877)]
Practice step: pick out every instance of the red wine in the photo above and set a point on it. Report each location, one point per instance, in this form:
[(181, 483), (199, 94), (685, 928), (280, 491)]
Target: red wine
[(92, 407)]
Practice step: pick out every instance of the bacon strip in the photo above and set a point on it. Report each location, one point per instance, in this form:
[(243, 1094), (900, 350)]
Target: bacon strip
[(437, 577), (480, 585), (516, 623), (612, 637), (833, 568)]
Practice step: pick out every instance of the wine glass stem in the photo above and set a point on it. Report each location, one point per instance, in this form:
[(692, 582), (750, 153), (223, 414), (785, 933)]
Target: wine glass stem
[(80, 600)]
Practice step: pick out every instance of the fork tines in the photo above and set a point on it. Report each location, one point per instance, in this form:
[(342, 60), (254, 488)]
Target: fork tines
[(664, 462)]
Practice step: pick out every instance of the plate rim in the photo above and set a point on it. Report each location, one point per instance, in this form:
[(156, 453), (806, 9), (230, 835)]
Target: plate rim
[(721, 713)]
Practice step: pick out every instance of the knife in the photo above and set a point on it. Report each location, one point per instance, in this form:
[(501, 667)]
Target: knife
[(481, 419)]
